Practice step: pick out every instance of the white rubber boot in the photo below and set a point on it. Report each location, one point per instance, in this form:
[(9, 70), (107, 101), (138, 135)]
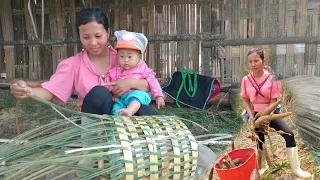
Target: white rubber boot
[(294, 162)]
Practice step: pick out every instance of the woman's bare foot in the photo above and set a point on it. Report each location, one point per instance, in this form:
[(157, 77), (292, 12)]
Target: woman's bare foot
[(125, 112)]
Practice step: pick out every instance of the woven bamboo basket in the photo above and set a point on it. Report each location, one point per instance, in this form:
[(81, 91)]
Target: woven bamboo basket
[(105, 147)]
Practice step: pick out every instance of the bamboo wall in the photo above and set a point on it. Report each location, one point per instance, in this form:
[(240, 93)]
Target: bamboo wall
[(235, 19), (271, 19)]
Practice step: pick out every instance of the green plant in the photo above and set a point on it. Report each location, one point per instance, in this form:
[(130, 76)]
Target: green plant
[(278, 167)]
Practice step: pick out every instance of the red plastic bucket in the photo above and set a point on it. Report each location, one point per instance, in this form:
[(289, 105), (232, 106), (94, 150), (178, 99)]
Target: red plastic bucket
[(247, 171)]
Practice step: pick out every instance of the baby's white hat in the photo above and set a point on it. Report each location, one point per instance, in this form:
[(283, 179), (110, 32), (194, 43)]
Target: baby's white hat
[(131, 40)]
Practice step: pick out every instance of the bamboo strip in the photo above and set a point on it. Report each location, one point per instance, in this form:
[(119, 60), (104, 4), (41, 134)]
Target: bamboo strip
[(127, 154), (152, 148), (132, 129)]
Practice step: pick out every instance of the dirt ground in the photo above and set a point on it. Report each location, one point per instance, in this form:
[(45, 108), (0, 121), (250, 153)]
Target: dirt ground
[(8, 130)]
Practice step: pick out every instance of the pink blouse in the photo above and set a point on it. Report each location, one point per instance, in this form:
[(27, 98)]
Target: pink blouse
[(140, 72), (77, 73), (270, 90)]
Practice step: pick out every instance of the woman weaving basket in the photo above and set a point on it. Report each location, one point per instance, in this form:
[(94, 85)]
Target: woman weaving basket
[(87, 71)]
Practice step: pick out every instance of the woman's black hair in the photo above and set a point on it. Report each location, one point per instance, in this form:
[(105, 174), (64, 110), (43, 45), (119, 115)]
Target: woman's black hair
[(259, 51), (90, 15)]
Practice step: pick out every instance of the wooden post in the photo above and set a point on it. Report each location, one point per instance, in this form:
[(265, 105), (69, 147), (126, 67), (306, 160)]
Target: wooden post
[(179, 15), (173, 44), (106, 6), (144, 19), (136, 16), (235, 35), (57, 23), (157, 47), (7, 29), (198, 42), (192, 47), (167, 64), (129, 15), (34, 61), (150, 29), (317, 54), (215, 14), (73, 25), (235, 19), (116, 24), (123, 14), (227, 33), (222, 29), (251, 20), (311, 49), (185, 19), (300, 27), (206, 53), (2, 64)]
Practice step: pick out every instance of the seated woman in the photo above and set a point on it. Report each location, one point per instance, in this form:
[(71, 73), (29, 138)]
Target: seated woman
[(87, 72)]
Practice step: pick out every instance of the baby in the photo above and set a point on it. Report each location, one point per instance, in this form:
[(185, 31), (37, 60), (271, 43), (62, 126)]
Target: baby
[(130, 46)]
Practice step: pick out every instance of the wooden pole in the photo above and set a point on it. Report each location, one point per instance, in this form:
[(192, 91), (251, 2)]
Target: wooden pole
[(202, 37), (7, 29), (264, 41), (187, 37), (73, 25), (34, 52), (57, 25)]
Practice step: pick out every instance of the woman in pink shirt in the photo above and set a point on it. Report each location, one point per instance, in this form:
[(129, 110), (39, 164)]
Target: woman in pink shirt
[(259, 90), (87, 72)]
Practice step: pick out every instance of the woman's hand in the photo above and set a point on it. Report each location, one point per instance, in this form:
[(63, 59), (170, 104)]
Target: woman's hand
[(120, 86), (20, 90), (160, 102)]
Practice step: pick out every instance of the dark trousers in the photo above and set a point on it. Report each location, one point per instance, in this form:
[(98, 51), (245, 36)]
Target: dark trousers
[(279, 125), (99, 101)]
